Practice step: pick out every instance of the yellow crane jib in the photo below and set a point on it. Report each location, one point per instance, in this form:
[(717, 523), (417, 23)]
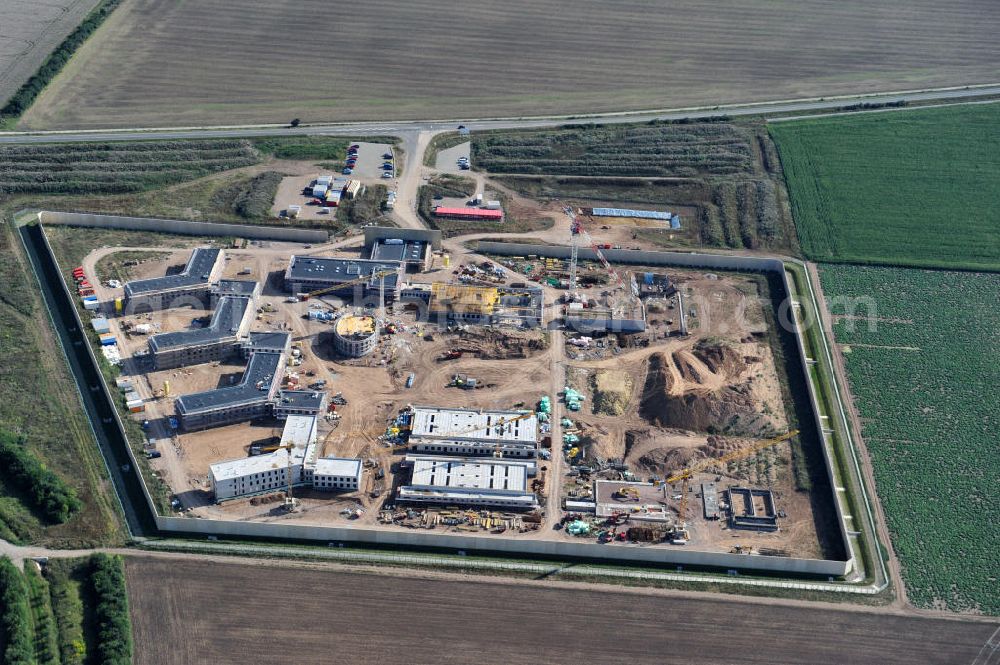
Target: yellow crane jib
[(360, 280), (686, 474)]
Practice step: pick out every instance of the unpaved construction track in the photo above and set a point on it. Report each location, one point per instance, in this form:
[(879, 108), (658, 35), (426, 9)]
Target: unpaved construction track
[(208, 612)]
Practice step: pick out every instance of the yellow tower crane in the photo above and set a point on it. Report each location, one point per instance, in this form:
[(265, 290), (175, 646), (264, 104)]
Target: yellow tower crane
[(336, 287), (685, 475)]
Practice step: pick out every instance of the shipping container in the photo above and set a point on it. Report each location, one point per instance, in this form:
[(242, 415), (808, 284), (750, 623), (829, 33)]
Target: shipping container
[(91, 305)]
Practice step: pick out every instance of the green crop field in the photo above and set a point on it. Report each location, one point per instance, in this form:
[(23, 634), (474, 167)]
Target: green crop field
[(924, 375), (915, 188)]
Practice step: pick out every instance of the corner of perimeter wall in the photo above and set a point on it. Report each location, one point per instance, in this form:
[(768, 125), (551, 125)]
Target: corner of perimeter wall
[(710, 261), (183, 227)]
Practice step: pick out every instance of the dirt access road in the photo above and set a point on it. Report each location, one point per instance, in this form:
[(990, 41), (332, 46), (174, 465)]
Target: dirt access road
[(186, 611)]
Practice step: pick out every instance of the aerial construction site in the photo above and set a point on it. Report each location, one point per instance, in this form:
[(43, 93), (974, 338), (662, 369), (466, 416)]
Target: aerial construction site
[(409, 385)]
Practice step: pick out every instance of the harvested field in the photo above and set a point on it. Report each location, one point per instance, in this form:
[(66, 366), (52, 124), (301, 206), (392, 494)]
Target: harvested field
[(391, 61), (31, 30), (204, 611)]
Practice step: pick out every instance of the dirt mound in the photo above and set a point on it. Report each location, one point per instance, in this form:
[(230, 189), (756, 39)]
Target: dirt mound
[(659, 382), (612, 390), (730, 410), (689, 371), (719, 357), (670, 458), (501, 344)]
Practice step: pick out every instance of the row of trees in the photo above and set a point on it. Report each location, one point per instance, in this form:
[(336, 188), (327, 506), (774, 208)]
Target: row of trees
[(114, 629), (15, 619), (24, 97), (48, 493)]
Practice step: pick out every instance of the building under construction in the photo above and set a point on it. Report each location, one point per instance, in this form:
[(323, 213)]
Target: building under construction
[(471, 432), (294, 459), (460, 481), (191, 286), (356, 279), (448, 304)]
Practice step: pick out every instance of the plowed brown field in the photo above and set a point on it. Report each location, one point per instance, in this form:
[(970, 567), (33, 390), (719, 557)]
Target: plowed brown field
[(241, 61), (186, 611)]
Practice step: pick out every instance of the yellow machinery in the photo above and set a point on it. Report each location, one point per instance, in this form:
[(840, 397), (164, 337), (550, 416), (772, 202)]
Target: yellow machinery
[(360, 280), (290, 501), (627, 492), (740, 453)]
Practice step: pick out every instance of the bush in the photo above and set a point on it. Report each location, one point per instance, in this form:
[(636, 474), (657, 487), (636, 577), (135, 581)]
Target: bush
[(364, 208), (68, 610), (50, 495), (15, 619), (46, 645), (114, 629), (251, 198)]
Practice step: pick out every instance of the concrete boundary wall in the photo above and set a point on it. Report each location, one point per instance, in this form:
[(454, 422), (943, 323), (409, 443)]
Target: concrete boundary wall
[(638, 257), (659, 555), (184, 227), (665, 556)]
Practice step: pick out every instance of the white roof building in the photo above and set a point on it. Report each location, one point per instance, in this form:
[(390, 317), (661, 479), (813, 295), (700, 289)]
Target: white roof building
[(473, 432), (469, 481)]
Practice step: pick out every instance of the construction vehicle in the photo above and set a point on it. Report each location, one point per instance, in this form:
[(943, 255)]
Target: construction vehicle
[(381, 275), (454, 354), (685, 475), (160, 393), (463, 381), (626, 492)]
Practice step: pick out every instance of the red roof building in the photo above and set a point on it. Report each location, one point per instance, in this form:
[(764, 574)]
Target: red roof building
[(469, 213)]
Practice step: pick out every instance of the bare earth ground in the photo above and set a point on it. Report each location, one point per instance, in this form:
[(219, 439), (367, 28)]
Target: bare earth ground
[(244, 61), (29, 32), (195, 611)]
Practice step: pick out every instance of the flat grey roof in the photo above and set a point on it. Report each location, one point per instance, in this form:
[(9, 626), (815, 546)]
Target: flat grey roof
[(225, 324), (197, 271), (269, 340), (235, 287), (334, 270), (409, 250), (300, 399), (262, 367)]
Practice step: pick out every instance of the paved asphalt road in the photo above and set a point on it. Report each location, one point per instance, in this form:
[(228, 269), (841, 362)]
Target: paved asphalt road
[(310, 615), (396, 128)]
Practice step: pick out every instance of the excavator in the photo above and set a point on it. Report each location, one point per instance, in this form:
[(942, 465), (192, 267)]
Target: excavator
[(685, 475)]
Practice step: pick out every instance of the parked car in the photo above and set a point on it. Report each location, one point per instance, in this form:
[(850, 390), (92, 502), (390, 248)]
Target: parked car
[(387, 167), (355, 146), (387, 175), (348, 171), (387, 155)]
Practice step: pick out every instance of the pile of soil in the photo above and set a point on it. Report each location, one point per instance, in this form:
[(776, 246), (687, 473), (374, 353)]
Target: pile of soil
[(668, 459), (501, 344), (729, 410), (612, 390), (720, 358)]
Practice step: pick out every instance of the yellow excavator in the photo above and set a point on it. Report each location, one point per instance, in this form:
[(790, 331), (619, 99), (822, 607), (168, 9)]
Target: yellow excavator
[(685, 475)]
